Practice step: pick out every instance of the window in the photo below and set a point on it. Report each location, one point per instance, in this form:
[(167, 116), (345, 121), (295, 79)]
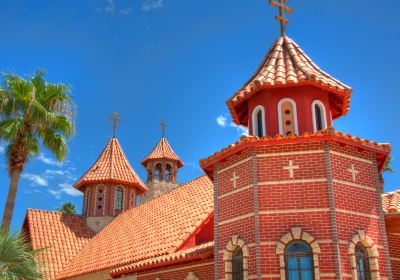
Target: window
[(237, 264), (158, 172), (259, 121), (362, 261), (319, 115), (287, 116), (119, 196), (299, 261), (99, 200), (168, 171)]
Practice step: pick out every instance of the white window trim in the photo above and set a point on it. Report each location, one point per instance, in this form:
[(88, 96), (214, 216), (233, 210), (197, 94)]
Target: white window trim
[(254, 119), (296, 128), (322, 107)]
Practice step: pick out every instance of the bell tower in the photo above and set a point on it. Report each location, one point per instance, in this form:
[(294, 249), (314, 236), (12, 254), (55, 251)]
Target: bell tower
[(110, 186), (162, 166)]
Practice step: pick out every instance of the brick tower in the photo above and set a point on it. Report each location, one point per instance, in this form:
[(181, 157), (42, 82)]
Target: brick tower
[(110, 186), (295, 197), (162, 166)]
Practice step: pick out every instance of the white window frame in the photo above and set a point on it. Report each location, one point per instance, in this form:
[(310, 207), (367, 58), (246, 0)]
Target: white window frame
[(323, 111), (296, 128), (254, 120)]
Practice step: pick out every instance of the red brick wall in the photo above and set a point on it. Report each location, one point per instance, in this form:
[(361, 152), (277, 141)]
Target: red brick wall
[(394, 248), (301, 201)]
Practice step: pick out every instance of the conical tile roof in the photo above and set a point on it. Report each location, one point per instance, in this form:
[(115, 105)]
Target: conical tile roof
[(163, 151), (112, 166), (286, 64)]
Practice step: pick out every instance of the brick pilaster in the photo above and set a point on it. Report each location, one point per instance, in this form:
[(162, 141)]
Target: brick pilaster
[(332, 210), (216, 253), (256, 214), (379, 191)]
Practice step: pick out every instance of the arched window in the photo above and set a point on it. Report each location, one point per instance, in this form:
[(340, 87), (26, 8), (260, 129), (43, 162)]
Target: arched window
[(362, 261), (299, 261), (158, 172), (287, 116), (86, 203), (258, 118), (319, 115), (168, 172), (119, 198), (237, 264)]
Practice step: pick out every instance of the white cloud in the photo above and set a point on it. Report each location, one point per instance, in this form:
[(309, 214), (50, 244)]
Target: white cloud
[(35, 179), (126, 11), (148, 5), (65, 188), (69, 189), (240, 129), (109, 8), (47, 160), (221, 121), (55, 172)]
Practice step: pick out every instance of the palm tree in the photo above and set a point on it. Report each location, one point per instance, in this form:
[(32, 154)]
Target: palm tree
[(67, 208), (32, 112), (388, 167), (17, 260)]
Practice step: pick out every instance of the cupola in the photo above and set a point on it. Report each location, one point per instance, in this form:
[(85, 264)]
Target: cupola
[(289, 94)]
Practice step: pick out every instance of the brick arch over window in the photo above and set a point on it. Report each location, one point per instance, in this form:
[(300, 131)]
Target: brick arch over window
[(191, 276), (230, 247), (366, 241), (298, 234)]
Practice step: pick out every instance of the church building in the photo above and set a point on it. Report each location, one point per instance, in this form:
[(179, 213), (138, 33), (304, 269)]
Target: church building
[(293, 200)]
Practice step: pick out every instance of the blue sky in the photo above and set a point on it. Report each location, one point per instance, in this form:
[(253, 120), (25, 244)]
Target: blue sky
[(180, 60)]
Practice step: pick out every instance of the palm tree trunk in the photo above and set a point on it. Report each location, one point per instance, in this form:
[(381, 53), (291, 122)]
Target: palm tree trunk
[(12, 193)]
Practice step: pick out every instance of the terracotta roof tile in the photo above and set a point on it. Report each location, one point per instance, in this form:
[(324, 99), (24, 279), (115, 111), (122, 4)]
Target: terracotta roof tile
[(197, 251), (391, 201), (286, 64), (64, 235), (112, 166), (155, 228), (327, 134), (162, 151)]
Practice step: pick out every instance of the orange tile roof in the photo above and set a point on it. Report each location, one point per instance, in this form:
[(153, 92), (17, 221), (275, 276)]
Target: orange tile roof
[(112, 166), (286, 64), (155, 228), (391, 201), (162, 151), (64, 235), (196, 252), (382, 149)]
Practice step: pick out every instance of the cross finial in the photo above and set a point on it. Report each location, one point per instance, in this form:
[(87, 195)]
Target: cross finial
[(163, 124), (281, 5), (115, 118)]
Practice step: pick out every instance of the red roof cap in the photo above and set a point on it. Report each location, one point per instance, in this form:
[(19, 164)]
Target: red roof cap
[(63, 236), (162, 151), (157, 227), (112, 166), (391, 201), (286, 64)]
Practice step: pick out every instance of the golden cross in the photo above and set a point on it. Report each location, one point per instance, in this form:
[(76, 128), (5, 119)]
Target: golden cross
[(115, 118), (163, 124), (281, 5)]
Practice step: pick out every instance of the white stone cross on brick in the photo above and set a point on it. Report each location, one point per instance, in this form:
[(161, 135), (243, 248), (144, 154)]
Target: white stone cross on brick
[(291, 167), (353, 171), (234, 179)]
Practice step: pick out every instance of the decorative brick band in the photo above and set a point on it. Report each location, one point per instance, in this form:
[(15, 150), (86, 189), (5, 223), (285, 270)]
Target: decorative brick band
[(366, 241), (297, 233), (230, 247)]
